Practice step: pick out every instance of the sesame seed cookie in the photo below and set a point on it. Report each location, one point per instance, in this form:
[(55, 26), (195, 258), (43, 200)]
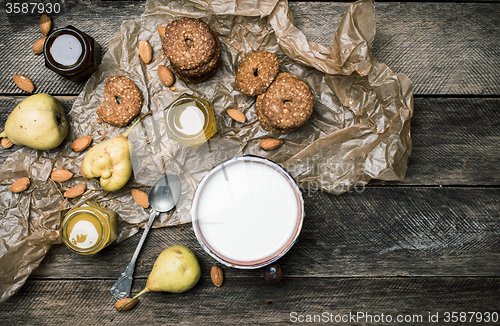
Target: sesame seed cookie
[(257, 72), (122, 101), (189, 43)]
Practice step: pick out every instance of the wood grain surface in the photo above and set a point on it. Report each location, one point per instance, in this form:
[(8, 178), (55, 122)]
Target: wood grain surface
[(428, 244), (250, 301), (444, 48)]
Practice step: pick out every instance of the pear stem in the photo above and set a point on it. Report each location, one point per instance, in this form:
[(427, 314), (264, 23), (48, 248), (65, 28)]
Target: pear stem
[(3, 134), (135, 124), (146, 290)]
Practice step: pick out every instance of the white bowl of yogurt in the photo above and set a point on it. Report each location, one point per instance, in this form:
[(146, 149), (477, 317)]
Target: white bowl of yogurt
[(247, 212)]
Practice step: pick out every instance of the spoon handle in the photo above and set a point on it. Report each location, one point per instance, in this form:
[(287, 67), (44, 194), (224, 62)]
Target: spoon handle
[(121, 288)]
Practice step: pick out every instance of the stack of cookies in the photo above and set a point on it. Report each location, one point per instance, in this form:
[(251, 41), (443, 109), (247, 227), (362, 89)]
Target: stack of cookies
[(284, 101), (193, 49)]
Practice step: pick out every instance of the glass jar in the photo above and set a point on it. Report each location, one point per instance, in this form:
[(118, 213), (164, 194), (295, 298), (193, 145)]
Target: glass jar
[(88, 228), (71, 53), (190, 120)]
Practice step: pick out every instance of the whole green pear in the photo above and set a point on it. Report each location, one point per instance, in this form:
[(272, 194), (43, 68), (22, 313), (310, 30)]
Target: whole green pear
[(110, 161), (38, 122), (175, 270)]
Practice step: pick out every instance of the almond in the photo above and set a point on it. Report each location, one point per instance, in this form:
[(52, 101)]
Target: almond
[(145, 51), (81, 144), (61, 175), (120, 303), (161, 31), (166, 76), (75, 191), (140, 197), (45, 24), (217, 276), (23, 83), (6, 143), (20, 185), (38, 45), (269, 144), (237, 115)]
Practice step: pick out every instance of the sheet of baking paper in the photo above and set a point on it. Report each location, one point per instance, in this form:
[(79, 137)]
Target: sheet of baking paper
[(360, 128)]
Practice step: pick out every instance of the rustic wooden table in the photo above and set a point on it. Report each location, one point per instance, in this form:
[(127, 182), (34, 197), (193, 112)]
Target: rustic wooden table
[(427, 245)]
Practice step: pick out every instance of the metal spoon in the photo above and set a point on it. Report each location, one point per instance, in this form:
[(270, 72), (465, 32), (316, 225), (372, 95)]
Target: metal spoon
[(162, 197)]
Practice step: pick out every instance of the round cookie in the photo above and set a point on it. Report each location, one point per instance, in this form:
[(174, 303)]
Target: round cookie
[(257, 72), (264, 121), (203, 72), (122, 101), (188, 43), (288, 102)]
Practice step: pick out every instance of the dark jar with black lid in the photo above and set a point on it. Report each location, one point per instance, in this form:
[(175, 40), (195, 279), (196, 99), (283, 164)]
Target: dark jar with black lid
[(71, 53)]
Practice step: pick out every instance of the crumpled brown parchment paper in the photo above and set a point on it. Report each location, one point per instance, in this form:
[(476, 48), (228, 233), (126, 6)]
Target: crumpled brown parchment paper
[(360, 128)]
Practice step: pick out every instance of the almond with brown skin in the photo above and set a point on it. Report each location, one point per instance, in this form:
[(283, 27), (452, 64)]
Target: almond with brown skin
[(120, 303), (161, 31), (140, 197), (45, 24), (166, 76), (269, 144), (217, 276), (75, 191), (6, 143), (237, 115), (24, 83), (38, 45), (20, 185), (61, 175), (145, 51), (81, 144)]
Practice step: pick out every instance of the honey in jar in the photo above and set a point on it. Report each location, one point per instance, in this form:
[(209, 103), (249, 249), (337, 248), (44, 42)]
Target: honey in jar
[(190, 120), (71, 53), (88, 228)]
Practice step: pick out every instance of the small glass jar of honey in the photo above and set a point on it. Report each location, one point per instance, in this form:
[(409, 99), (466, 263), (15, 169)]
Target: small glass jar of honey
[(190, 120), (88, 228), (71, 53)]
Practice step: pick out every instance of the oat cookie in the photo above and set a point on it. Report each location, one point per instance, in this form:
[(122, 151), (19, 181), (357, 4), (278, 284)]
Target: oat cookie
[(257, 72), (188, 43), (286, 105), (122, 101)]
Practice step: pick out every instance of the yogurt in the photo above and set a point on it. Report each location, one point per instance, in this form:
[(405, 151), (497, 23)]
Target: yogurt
[(247, 211)]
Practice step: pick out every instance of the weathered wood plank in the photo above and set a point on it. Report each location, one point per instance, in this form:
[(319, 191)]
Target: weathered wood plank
[(378, 232), (445, 48), (246, 302), (455, 141)]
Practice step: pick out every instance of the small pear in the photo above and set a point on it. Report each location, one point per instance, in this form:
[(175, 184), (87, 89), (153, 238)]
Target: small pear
[(39, 122), (176, 270), (110, 161)]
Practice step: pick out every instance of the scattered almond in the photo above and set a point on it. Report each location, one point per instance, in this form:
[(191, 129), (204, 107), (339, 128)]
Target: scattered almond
[(269, 144), (140, 197), (75, 191), (24, 83), (20, 185), (120, 303), (38, 45), (61, 175), (173, 89), (145, 51), (6, 143), (237, 115), (217, 276), (81, 144), (161, 31), (166, 76), (45, 24)]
